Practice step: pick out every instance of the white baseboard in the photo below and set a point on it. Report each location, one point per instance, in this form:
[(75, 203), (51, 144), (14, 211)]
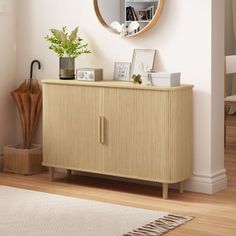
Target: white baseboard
[(208, 184)]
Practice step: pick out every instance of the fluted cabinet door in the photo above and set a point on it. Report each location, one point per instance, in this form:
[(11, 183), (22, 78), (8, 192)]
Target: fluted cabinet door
[(148, 134), (137, 140), (71, 127)]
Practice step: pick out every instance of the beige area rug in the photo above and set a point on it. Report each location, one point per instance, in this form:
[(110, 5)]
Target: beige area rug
[(30, 213)]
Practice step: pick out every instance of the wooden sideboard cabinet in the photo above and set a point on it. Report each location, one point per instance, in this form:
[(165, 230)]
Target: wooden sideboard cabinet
[(118, 129)]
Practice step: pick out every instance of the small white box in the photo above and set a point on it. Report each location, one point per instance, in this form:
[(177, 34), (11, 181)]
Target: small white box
[(164, 79)]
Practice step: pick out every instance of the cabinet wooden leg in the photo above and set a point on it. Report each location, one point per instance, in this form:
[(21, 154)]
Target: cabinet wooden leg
[(51, 173), (165, 191), (225, 126), (69, 173), (181, 187)]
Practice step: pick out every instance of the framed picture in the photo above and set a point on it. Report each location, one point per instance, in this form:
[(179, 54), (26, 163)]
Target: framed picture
[(143, 61), (122, 71), (142, 14)]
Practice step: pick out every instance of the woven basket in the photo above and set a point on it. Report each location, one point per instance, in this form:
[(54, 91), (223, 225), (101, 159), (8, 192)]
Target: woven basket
[(23, 161)]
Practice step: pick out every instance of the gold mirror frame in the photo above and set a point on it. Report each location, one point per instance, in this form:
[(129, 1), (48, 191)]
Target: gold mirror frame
[(145, 29)]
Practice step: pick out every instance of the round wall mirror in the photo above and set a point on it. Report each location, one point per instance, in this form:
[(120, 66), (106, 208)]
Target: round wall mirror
[(128, 17)]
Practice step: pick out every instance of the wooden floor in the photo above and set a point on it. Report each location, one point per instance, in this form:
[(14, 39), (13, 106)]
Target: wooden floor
[(214, 214)]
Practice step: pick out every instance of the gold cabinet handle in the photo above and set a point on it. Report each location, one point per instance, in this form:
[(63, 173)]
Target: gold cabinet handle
[(102, 129), (99, 129)]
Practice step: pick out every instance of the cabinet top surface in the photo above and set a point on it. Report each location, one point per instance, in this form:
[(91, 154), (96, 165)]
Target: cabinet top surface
[(114, 84)]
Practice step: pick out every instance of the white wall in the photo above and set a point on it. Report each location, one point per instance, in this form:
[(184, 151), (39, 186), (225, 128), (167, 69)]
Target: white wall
[(7, 72), (183, 37)]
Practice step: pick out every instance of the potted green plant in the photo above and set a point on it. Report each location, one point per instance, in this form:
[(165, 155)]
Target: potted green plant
[(67, 47)]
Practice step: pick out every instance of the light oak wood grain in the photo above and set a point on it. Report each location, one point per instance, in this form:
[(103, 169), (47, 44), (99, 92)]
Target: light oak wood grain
[(70, 130), (142, 133), (181, 187), (51, 173), (115, 84), (149, 134)]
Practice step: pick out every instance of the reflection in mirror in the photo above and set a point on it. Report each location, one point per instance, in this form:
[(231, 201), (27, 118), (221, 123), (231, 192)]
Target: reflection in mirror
[(128, 17)]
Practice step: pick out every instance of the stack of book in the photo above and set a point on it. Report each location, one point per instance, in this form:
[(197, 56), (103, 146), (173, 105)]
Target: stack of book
[(146, 14), (130, 14), (150, 12)]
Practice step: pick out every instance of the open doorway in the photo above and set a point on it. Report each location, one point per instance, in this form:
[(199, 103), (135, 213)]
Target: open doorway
[(230, 77), (230, 90)]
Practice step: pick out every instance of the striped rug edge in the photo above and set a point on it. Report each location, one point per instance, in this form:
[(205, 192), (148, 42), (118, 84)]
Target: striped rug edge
[(160, 226)]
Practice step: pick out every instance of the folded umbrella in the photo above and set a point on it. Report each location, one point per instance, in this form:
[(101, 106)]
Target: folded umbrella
[(28, 99), (17, 98), (35, 110)]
